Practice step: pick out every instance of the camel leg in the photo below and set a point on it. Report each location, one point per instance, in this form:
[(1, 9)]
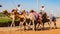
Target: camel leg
[(43, 25), (55, 25), (38, 25), (49, 25), (28, 25), (33, 25), (21, 25), (13, 24)]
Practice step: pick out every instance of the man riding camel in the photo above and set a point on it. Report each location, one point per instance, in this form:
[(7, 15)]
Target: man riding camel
[(19, 9)]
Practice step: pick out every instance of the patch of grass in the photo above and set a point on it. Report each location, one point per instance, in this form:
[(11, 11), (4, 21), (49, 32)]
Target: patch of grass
[(4, 19)]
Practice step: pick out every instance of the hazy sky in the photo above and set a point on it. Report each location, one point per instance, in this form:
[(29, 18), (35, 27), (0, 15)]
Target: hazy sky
[(51, 6)]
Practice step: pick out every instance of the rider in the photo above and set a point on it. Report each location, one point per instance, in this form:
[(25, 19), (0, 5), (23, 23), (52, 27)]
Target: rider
[(52, 17), (19, 9), (42, 10), (43, 14)]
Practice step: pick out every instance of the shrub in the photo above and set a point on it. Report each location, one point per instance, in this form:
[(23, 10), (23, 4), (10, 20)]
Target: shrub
[(5, 21)]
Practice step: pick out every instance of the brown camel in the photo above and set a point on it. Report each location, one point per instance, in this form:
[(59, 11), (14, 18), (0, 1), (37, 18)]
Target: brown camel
[(15, 15)]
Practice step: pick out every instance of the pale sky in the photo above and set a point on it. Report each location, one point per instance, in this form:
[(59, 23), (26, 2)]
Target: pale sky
[(51, 6)]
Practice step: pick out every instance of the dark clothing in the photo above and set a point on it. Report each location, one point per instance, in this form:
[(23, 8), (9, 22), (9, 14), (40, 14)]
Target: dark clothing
[(53, 18)]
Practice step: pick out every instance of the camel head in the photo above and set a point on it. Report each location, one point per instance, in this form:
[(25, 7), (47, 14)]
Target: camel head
[(14, 11), (31, 11), (5, 12)]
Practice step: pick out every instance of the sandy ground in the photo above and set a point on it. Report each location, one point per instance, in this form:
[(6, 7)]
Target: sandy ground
[(13, 30)]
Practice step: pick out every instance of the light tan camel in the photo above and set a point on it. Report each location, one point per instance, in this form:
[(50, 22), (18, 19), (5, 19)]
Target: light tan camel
[(11, 15)]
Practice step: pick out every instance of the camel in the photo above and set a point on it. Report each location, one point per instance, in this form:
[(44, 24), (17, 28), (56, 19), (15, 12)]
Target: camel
[(24, 17), (35, 21), (31, 17), (10, 15), (53, 19), (46, 19), (15, 15)]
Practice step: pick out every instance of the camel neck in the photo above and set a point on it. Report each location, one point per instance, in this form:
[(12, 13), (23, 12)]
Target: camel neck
[(7, 14)]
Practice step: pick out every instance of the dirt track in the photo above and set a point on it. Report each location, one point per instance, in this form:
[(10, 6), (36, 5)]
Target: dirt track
[(9, 30)]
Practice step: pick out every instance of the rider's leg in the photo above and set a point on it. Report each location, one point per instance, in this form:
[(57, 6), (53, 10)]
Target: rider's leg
[(43, 25)]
